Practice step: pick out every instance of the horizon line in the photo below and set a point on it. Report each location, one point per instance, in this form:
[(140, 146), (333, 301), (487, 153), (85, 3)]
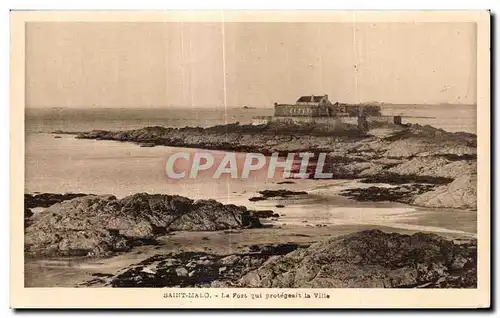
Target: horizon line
[(237, 107)]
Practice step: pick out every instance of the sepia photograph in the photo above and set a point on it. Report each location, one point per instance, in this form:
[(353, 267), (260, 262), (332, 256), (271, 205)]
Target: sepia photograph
[(252, 157)]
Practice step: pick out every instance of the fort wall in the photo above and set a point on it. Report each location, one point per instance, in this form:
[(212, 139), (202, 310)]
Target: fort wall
[(384, 119), (300, 110), (261, 120), (349, 120), (331, 122)]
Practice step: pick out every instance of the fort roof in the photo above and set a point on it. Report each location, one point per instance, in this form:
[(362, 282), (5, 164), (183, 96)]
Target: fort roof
[(310, 99)]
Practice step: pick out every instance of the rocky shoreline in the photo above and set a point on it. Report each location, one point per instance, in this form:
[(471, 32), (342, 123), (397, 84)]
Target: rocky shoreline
[(412, 164), (103, 226), (368, 259), (417, 160)]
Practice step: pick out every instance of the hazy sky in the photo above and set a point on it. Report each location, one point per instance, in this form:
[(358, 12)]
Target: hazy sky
[(255, 64)]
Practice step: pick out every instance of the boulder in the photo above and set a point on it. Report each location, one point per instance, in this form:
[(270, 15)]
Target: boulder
[(99, 225), (371, 259)]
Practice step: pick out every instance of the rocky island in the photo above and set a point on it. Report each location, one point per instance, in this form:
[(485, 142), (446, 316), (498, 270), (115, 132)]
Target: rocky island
[(416, 159)]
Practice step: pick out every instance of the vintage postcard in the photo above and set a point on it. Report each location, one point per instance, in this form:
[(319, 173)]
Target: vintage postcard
[(274, 159)]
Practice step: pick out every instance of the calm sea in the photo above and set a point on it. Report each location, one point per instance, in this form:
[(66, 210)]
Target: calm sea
[(448, 117), (50, 119)]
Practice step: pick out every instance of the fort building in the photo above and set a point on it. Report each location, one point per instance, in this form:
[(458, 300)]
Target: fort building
[(319, 109)]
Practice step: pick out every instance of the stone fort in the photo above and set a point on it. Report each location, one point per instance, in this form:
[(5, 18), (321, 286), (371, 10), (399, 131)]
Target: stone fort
[(319, 110)]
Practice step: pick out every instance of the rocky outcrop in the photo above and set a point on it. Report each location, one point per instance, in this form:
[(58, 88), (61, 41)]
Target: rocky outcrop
[(404, 193), (27, 214), (371, 259), (191, 269), (419, 140), (417, 180), (404, 142), (460, 194), (396, 179), (436, 166), (265, 214), (368, 259), (423, 153), (44, 200), (244, 138), (281, 194), (100, 225)]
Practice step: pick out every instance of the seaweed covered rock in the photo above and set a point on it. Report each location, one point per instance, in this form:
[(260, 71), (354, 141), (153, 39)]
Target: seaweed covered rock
[(192, 269)]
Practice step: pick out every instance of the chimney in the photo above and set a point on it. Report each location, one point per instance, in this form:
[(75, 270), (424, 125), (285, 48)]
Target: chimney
[(312, 98)]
